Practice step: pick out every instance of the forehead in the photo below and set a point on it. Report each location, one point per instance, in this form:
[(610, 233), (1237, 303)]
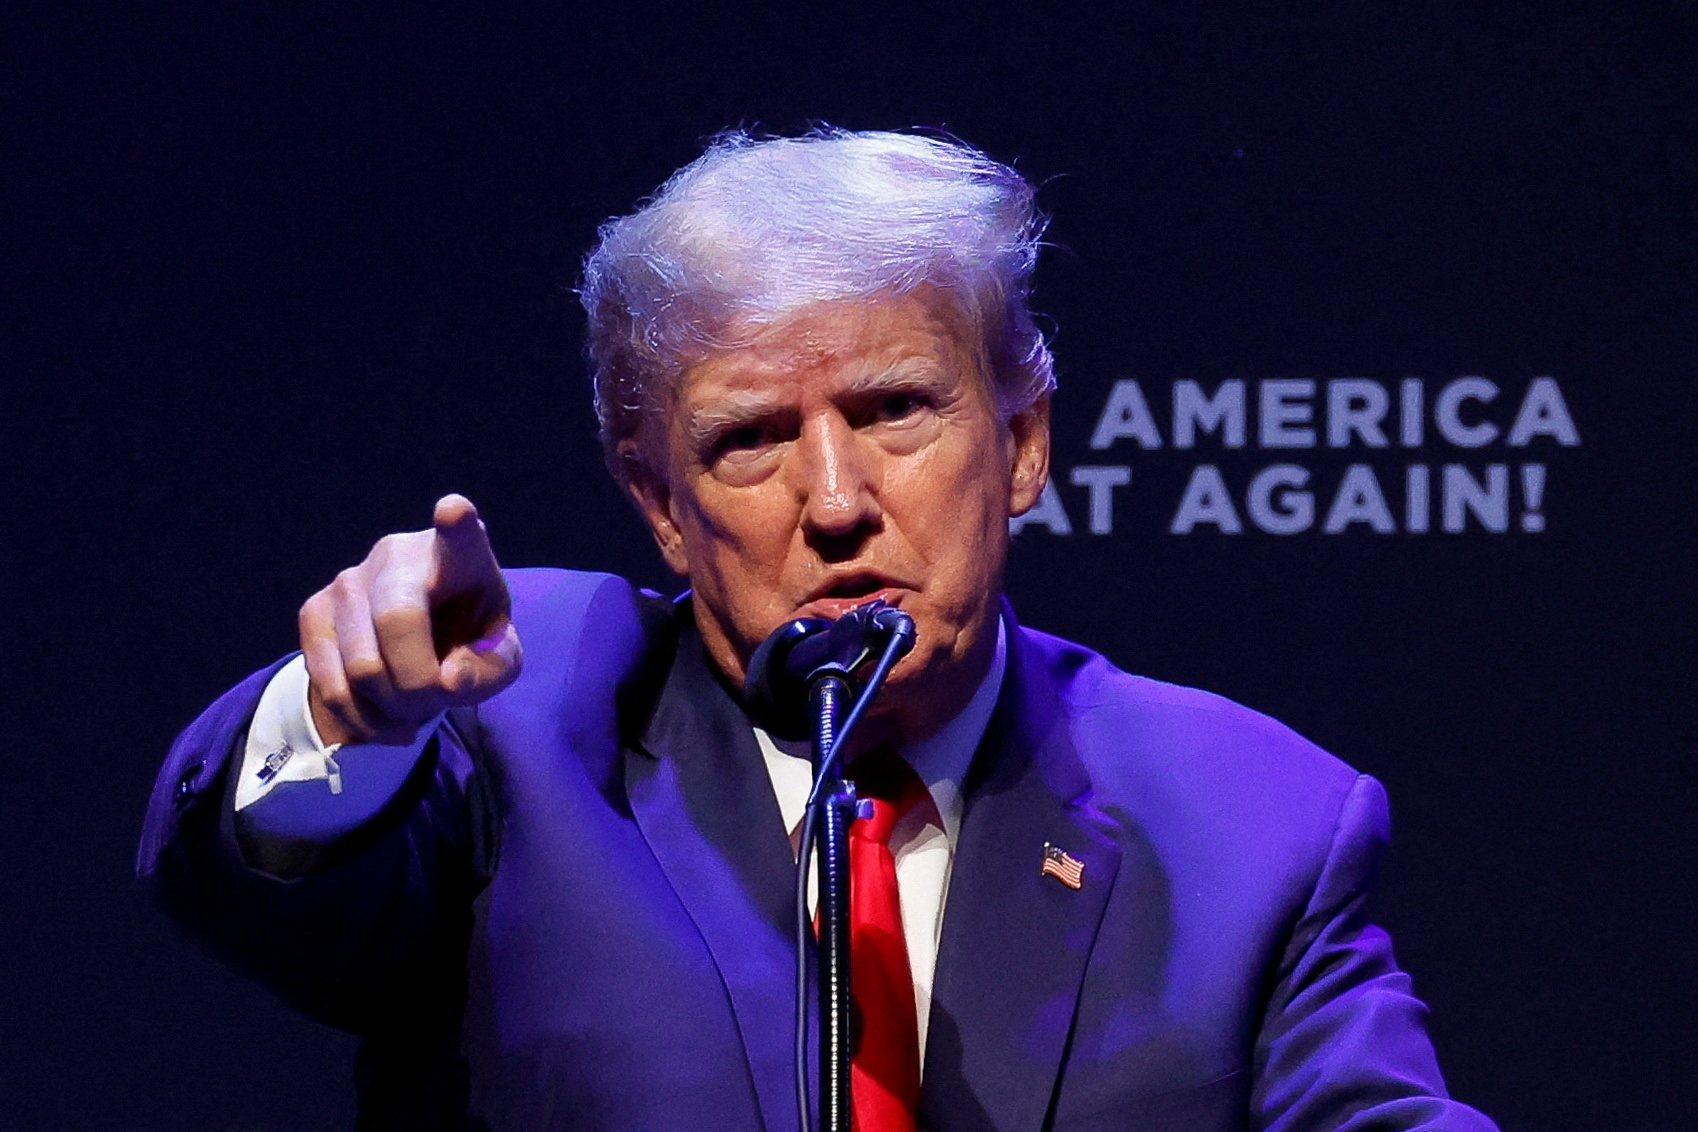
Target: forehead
[(837, 343)]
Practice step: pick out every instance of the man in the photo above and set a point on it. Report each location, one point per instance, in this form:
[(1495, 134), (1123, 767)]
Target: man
[(557, 894)]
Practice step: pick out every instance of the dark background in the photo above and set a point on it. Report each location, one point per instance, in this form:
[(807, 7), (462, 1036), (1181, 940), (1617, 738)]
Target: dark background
[(275, 276)]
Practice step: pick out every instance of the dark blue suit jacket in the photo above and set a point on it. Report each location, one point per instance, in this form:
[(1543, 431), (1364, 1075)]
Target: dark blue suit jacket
[(576, 910)]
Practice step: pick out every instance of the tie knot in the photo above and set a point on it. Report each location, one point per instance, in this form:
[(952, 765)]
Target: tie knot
[(884, 777)]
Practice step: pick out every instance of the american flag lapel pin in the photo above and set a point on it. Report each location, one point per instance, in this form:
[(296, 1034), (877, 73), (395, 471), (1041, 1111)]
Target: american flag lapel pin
[(1063, 866)]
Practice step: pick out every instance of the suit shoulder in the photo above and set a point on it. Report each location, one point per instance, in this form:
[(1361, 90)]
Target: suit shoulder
[(552, 607), (584, 636), (1143, 738), (552, 590)]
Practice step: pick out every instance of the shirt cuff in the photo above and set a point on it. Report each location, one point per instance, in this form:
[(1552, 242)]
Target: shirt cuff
[(283, 743)]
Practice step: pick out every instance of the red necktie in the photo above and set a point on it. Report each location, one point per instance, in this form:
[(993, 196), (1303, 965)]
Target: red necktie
[(885, 1074)]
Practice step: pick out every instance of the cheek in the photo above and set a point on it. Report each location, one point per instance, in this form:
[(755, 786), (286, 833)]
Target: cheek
[(738, 542), (956, 497), (716, 516), (958, 525)]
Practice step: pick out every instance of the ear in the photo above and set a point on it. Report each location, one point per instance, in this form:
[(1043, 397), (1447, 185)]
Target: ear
[(653, 497), (1029, 434)]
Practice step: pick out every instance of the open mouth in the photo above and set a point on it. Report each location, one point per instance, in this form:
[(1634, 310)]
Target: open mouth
[(851, 590), (863, 586)]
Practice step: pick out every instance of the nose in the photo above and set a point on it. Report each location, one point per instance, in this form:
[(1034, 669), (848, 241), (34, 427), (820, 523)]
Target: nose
[(837, 483)]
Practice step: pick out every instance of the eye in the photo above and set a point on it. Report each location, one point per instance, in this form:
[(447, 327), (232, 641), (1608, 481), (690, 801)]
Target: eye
[(742, 445), (899, 406), (742, 439)]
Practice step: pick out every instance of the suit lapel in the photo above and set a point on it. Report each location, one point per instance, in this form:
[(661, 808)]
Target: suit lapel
[(1015, 942), (701, 796)]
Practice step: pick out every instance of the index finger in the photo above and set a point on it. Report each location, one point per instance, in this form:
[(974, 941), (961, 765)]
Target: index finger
[(464, 560)]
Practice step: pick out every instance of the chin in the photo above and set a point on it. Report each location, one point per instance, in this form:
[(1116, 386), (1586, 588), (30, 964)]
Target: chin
[(931, 670)]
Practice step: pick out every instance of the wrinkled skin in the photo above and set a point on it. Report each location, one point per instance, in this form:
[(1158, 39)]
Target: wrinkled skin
[(852, 450)]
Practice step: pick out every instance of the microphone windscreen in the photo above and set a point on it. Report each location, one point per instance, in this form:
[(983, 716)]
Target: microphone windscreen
[(773, 696)]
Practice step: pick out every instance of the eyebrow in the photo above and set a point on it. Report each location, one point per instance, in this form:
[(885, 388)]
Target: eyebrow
[(736, 408), (729, 411), (909, 373)]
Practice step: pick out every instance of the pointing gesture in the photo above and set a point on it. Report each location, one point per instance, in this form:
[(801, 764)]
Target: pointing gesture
[(420, 626)]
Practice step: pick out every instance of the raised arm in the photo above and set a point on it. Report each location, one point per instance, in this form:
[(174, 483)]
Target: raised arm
[(345, 899)]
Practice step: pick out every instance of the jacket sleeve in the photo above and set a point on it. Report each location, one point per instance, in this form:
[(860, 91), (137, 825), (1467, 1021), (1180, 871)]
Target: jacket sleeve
[(1343, 1045), (365, 926)]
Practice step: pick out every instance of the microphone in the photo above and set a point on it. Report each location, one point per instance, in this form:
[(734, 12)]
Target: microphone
[(800, 652)]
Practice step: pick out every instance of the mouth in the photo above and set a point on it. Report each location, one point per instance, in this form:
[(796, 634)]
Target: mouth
[(841, 594)]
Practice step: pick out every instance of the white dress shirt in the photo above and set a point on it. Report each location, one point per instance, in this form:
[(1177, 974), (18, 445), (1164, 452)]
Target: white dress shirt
[(284, 746), (923, 852)]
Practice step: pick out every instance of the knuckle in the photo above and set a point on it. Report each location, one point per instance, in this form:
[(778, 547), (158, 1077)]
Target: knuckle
[(363, 671), (393, 615), (337, 701), (346, 584), (321, 669), (416, 684), (398, 546), (342, 707), (321, 604)]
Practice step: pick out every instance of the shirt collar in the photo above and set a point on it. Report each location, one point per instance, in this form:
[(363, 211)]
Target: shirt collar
[(941, 761)]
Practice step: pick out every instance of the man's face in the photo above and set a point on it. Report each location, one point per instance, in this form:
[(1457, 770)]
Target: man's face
[(852, 451)]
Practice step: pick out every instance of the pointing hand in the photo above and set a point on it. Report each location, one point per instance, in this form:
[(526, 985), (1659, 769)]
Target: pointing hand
[(420, 626)]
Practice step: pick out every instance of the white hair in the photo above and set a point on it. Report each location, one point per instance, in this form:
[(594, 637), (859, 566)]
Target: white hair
[(757, 228)]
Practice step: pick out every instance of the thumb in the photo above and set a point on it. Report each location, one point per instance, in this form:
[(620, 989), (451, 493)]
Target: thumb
[(473, 672)]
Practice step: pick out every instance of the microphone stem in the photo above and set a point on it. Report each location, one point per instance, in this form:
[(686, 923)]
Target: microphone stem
[(830, 696)]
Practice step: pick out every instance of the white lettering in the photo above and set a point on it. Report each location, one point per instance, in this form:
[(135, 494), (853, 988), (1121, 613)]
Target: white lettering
[(1418, 498), (1543, 413), (1284, 407), (1533, 497), (1048, 513), (1359, 500), (1101, 480), (1206, 501), (1488, 502), (1448, 416), (1125, 413), (1410, 394), (1192, 410), (1356, 405), (1292, 511)]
